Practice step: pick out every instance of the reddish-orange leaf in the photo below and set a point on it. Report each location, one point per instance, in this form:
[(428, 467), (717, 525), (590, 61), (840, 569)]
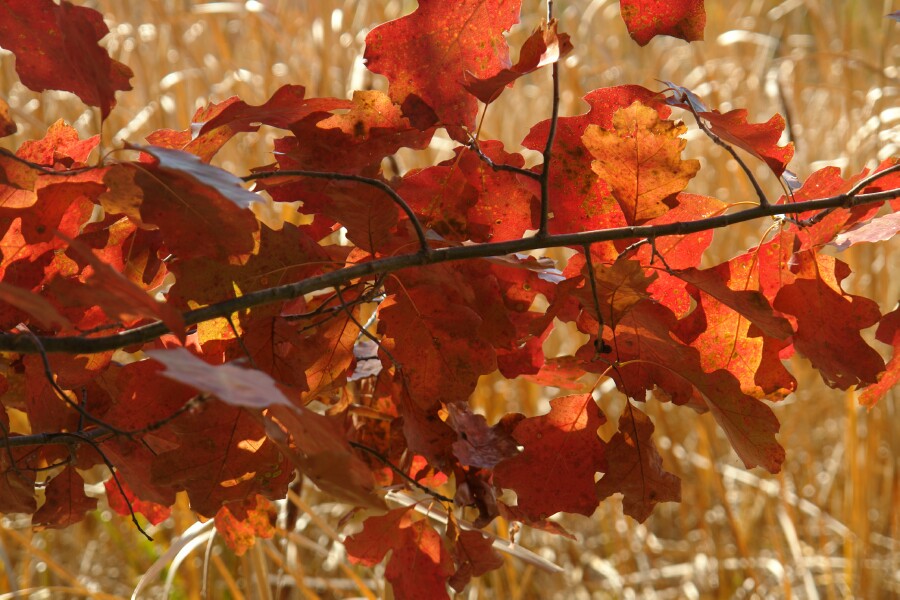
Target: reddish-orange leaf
[(829, 321), (720, 328), (563, 452), (44, 313), (249, 388), (16, 484), (240, 532), (65, 504), (419, 565), (653, 358), (635, 468), (759, 139), (889, 333), (438, 343), (219, 454), (426, 54), (61, 146), (155, 513), (543, 48), (7, 125), (474, 556), (101, 285), (579, 200), (640, 161), (317, 446), (619, 287), (56, 48), (683, 251), (646, 19)]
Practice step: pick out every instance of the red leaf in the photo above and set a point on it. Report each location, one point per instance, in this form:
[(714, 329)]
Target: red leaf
[(833, 345), (240, 533), (563, 452), (220, 454), (640, 161), (61, 146), (683, 251), (425, 56), (635, 468), (474, 556), (249, 388), (44, 313), (478, 445), (7, 125), (155, 513), (877, 230), (56, 48), (419, 565), (889, 333), (437, 342), (543, 48), (107, 288), (579, 200), (66, 502), (16, 484), (646, 19), (653, 358), (190, 167), (318, 446), (759, 139)]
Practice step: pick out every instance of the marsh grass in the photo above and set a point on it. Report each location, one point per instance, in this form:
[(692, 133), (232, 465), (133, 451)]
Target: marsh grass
[(828, 526)]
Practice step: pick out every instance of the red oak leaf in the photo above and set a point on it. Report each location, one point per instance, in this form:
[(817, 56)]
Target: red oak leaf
[(652, 358), (425, 56), (437, 342), (543, 48), (646, 19), (219, 454), (640, 161), (102, 285), (56, 48), (317, 446), (473, 554), (833, 345), (563, 453), (249, 388), (155, 513), (635, 468), (44, 313), (65, 504), (720, 328), (240, 533), (188, 166), (16, 484), (61, 146), (889, 333), (478, 445), (7, 125), (579, 201), (683, 251), (419, 565)]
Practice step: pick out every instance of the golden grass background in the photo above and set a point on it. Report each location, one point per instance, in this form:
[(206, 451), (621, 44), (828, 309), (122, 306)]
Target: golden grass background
[(828, 526)]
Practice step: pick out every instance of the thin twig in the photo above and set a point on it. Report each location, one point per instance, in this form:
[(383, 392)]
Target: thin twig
[(763, 201), (399, 471), (474, 147), (141, 334), (599, 344), (381, 185), (548, 148)]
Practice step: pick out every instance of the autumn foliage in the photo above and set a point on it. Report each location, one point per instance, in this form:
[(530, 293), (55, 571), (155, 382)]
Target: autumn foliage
[(153, 323)]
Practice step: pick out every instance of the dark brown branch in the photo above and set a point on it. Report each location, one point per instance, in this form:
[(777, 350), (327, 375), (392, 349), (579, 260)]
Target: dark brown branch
[(145, 333), (384, 187)]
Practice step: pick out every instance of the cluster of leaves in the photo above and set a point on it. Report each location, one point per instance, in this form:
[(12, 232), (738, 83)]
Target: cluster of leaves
[(153, 323)]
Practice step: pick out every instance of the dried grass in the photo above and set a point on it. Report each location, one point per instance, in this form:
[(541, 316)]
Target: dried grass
[(827, 526)]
